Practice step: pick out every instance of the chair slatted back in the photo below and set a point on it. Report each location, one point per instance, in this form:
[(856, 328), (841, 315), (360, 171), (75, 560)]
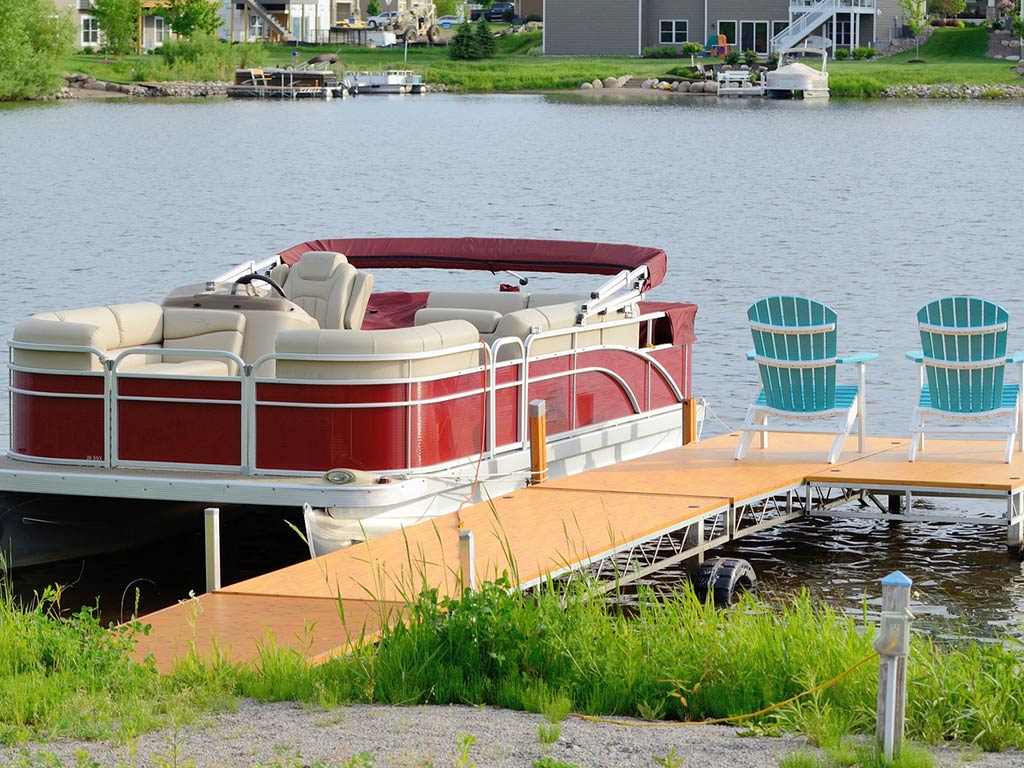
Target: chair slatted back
[(795, 348), (964, 343)]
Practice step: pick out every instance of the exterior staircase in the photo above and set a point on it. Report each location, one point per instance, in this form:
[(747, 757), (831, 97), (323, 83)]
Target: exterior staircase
[(257, 7), (813, 17)]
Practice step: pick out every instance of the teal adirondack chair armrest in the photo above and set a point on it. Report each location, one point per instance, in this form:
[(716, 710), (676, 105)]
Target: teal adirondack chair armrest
[(858, 357), (1016, 357), (916, 356), (751, 354)]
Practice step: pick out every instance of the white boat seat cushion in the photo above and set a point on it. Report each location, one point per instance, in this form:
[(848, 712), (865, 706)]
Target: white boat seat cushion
[(502, 302), (113, 329), (216, 329), (321, 283), (108, 329), (392, 341), (484, 320), (547, 299)]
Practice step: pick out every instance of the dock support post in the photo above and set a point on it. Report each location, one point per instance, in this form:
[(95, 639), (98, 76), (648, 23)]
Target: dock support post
[(689, 420), (1015, 526), (538, 442), (894, 503), (893, 644), (467, 560), (692, 539), (212, 519)]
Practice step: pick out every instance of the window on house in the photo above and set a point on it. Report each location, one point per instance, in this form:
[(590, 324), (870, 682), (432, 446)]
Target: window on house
[(778, 26), (90, 31), (728, 28), (159, 30), (673, 31), (256, 28)]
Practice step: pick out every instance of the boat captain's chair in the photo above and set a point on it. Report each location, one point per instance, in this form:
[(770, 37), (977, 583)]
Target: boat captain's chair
[(327, 287)]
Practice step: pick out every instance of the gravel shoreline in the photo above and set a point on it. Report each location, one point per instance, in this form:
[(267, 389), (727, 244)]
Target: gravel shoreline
[(286, 735)]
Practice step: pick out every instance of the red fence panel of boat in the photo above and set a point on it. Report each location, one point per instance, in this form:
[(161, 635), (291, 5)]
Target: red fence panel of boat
[(391, 435), (449, 430), (676, 361), (600, 396), (57, 427), (506, 406), (555, 392), (163, 429)]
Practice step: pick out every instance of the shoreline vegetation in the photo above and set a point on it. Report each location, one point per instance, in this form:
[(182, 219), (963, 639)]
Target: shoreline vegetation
[(955, 65), (556, 651)]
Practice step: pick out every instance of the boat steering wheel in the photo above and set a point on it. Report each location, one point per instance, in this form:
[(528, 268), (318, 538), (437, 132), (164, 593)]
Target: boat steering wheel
[(246, 279)]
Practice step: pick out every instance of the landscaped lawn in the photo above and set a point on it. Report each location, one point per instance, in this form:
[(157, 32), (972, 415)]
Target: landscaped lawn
[(955, 56), (950, 56)]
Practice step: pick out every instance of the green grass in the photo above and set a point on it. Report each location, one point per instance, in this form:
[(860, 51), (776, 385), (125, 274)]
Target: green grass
[(951, 56), (551, 652)]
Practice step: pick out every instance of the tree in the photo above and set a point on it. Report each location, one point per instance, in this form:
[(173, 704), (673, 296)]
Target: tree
[(464, 45), (485, 40), (34, 39), (188, 17), (691, 49), (947, 8), (372, 8), (119, 22), (915, 17)]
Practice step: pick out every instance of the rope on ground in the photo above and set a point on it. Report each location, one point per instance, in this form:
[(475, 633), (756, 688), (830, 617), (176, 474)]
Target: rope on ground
[(732, 718)]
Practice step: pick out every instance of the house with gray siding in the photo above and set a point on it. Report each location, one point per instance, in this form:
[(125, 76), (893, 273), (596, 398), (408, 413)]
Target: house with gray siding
[(627, 27)]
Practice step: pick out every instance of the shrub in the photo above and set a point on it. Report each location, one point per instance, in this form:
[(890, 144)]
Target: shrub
[(663, 52), (691, 49), (88, 50), (733, 57), (842, 53), (863, 53), (34, 39), (749, 58), (532, 17)]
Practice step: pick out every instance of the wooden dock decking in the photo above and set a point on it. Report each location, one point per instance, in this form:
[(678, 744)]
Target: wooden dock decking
[(698, 491)]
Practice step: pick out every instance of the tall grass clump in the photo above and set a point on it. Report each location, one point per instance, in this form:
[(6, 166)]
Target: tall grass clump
[(65, 674), (201, 58)]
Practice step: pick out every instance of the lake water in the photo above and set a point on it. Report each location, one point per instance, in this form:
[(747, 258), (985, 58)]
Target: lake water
[(874, 208)]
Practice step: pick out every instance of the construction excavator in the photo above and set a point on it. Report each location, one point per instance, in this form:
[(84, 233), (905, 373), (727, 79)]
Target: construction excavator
[(414, 21)]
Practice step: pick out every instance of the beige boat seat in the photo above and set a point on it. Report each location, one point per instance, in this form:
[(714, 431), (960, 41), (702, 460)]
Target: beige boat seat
[(552, 317), (484, 309), (547, 299), (391, 341), (327, 287), (115, 328)]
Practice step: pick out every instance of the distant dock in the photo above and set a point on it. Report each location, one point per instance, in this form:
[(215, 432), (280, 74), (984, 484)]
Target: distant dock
[(678, 504)]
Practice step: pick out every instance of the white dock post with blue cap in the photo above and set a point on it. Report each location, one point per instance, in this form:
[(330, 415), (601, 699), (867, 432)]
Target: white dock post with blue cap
[(893, 644)]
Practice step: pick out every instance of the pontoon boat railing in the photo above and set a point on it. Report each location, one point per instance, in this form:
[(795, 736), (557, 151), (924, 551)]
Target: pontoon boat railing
[(248, 401)]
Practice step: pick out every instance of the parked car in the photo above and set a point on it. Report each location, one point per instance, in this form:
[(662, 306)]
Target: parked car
[(499, 12), (449, 21), (382, 20)]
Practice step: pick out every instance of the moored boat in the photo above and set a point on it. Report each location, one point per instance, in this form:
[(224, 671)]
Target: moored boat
[(291, 383), (793, 78)]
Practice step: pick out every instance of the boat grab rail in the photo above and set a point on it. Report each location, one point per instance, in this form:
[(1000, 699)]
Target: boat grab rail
[(248, 401), (649, 318), (111, 422), (520, 381)]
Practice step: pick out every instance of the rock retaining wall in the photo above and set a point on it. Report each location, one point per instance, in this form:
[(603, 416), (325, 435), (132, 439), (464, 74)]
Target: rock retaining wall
[(138, 90), (954, 91)]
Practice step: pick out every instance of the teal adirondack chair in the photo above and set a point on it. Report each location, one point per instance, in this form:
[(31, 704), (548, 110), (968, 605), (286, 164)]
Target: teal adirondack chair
[(963, 362), (795, 352)]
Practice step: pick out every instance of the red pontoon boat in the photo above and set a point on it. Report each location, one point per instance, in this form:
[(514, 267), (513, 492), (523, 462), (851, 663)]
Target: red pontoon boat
[(290, 383)]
